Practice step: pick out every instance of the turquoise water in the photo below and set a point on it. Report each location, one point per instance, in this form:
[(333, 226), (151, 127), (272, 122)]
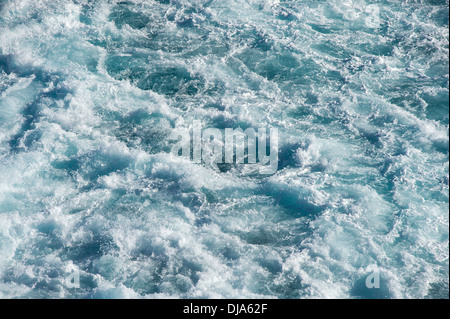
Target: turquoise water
[(91, 90)]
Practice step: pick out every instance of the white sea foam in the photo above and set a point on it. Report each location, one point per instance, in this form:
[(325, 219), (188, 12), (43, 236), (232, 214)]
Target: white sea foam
[(90, 91)]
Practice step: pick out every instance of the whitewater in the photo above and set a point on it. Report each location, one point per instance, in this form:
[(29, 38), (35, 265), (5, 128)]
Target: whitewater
[(90, 92)]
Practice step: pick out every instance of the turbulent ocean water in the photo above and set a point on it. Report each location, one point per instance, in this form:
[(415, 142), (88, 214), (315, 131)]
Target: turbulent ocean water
[(91, 90)]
